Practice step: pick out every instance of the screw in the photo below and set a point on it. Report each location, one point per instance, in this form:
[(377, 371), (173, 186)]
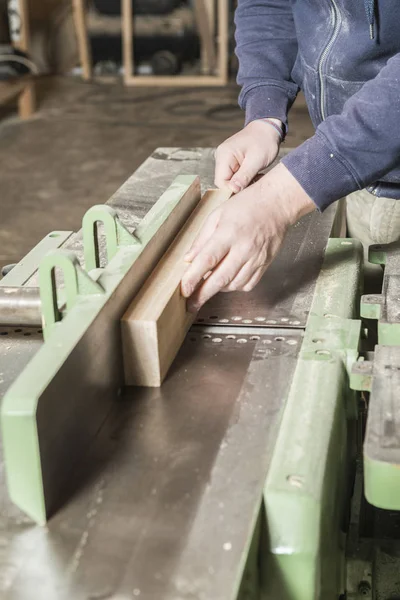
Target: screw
[(295, 480), (6, 269)]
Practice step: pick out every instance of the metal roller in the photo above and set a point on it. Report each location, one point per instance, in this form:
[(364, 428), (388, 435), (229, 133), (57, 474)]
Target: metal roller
[(20, 306)]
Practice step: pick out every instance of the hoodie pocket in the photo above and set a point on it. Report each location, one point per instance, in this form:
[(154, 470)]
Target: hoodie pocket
[(310, 88), (337, 92)]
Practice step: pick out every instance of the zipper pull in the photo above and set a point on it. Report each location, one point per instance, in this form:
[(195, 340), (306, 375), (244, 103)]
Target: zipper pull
[(371, 31)]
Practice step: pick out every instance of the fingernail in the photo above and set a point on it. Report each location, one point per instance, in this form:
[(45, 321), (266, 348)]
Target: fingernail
[(193, 308), (187, 290), (235, 187)]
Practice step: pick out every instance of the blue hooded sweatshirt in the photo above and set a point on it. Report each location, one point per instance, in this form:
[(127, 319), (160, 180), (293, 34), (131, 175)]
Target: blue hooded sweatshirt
[(345, 56)]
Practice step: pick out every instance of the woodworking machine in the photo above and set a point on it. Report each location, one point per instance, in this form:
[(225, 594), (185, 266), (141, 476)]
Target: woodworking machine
[(243, 475)]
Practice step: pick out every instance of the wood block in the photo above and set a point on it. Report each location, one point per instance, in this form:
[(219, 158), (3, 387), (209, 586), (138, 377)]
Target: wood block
[(156, 323)]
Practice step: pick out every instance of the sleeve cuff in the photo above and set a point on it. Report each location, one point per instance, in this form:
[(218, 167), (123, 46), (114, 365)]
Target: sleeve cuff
[(320, 172), (266, 101)]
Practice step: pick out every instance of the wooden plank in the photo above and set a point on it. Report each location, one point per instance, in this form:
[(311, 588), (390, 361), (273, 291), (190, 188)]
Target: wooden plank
[(27, 98), (127, 41), (206, 36), (82, 38), (156, 323), (223, 40), (210, 8), (174, 81)]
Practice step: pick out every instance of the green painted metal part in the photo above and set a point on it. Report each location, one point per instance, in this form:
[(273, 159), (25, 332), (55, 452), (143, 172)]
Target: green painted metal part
[(38, 411), (381, 378), (382, 484), (77, 283), (299, 529), (116, 234), (381, 445), (307, 484), (385, 307), (361, 375)]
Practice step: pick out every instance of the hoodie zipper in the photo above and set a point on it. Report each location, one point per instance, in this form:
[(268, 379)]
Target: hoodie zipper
[(336, 22)]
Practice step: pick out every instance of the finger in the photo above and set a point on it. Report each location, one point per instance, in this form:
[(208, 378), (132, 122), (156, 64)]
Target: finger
[(226, 165), (242, 277), (203, 236), (253, 281), (249, 284), (245, 175), (207, 260), (219, 279)]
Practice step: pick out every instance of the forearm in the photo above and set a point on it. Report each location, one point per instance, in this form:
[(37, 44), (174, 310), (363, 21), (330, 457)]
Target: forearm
[(289, 196), (355, 148), (266, 49)]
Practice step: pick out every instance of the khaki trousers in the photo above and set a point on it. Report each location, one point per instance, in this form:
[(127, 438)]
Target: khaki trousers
[(372, 220)]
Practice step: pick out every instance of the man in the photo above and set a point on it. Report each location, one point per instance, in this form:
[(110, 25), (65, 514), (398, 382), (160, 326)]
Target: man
[(345, 56)]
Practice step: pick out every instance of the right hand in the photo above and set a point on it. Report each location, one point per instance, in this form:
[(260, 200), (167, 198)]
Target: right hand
[(242, 156)]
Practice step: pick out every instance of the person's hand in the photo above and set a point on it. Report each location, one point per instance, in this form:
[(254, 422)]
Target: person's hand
[(241, 238), (242, 156)]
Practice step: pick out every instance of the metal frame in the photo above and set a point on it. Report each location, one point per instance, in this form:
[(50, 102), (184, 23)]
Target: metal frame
[(381, 377), (384, 307), (307, 483), (303, 403)]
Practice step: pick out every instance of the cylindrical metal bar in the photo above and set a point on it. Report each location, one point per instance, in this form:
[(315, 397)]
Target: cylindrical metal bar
[(20, 306)]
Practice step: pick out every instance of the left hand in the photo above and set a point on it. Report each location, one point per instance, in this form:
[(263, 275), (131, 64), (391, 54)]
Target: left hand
[(240, 239)]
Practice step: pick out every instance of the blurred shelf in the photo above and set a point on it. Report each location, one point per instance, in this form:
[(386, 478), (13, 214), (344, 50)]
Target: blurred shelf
[(176, 23)]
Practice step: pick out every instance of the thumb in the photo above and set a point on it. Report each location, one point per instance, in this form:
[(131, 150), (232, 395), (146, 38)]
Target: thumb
[(249, 168), (226, 165), (205, 233)]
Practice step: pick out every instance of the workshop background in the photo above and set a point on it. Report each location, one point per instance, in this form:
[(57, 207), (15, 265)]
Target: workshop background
[(85, 138)]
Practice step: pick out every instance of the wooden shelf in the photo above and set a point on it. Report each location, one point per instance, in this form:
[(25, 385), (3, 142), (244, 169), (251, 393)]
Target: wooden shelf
[(176, 23)]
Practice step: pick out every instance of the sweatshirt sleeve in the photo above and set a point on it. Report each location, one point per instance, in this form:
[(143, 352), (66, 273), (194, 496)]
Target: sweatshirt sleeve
[(266, 47), (355, 148)]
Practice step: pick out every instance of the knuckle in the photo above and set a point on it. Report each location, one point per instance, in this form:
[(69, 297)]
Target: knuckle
[(220, 149), (256, 245), (222, 281), (249, 250), (211, 261), (242, 180), (259, 238)]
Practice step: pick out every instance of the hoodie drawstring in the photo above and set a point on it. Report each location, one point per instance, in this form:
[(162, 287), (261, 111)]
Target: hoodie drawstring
[(370, 10)]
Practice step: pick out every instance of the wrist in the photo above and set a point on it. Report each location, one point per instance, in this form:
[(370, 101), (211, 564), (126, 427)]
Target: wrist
[(266, 129), (293, 201), (276, 124)]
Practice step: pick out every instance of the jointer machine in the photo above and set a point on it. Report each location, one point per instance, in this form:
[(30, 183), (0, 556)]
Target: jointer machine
[(262, 462)]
